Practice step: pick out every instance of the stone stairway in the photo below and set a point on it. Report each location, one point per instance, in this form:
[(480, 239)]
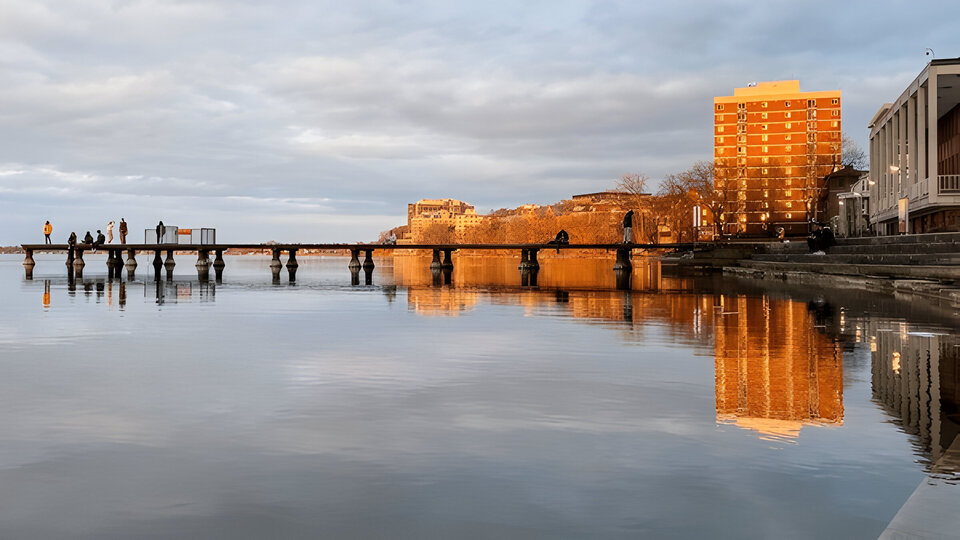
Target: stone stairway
[(923, 256)]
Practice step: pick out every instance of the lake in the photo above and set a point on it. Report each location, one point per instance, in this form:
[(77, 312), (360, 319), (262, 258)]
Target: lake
[(463, 407)]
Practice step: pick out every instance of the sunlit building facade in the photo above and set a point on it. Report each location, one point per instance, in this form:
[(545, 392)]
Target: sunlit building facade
[(450, 212), (773, 145), (915, 155)]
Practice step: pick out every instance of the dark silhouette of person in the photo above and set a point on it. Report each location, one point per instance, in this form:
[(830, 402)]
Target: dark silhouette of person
[(123, 231), (72, 241), (161, 230), (47, 230), (628, 227), (88, 238), (562, 239), (100, 240)]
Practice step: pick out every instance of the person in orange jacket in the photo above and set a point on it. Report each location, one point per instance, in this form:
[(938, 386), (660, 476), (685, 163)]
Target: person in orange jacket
[(47, 230)]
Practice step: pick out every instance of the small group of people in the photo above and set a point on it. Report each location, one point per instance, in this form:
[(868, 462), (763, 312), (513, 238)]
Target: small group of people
[(821, 238), (89, 238)]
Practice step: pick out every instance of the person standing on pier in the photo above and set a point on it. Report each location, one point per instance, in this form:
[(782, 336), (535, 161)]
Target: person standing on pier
[(47, 230), (110, 232), (72, 241), (161, 230), (628, 227), (123, 231)]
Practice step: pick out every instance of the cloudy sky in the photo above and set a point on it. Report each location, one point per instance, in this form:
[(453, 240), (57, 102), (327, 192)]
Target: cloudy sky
[(318, 120)]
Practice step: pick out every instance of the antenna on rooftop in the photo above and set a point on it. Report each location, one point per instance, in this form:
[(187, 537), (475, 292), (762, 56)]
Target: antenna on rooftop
[(929, 52)]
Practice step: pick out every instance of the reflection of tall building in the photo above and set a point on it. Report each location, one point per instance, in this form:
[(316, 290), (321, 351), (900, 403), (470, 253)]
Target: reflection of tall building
[(775, 372), (917, 378), (441, 301)]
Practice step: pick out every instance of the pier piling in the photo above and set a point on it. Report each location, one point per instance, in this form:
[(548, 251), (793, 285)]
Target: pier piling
[(368, 260), (28, 263), (435, 264), (354, 260)]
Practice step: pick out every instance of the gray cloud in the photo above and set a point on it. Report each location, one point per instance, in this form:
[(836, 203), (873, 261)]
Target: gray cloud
[(250, 117)]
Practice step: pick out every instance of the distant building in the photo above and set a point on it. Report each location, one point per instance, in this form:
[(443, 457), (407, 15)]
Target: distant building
[(834, 184), (854, 205), (773, 145), (915, 155), (451, 212)]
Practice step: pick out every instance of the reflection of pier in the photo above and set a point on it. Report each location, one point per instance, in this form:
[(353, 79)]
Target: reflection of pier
[(116, 291), (774, 372)]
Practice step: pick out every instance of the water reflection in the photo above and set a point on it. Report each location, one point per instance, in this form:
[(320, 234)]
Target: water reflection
[(775, 371), (916, 377)]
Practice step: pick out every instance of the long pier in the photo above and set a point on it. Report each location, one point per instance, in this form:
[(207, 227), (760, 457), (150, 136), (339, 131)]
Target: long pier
[(441, 266)]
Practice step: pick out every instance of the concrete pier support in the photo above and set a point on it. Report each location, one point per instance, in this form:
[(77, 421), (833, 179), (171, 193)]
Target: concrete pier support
[(276, 265), (448, 258), (354, 260), (131, 264), (292, 265), (169, 264), (355, 275), (436, 264), (528, 259), (528, 277), (368, 260), (623, 278), (78, 263), (447, 275), (219, 264), (157, 260), (437, 276), (623, 260), (113, 267), (70, 257), (203, 264), (368, 276), (28, 263)]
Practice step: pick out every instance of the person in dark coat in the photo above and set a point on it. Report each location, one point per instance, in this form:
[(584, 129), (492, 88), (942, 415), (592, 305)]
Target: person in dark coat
[(100, 240), (88, 238), (628, 227), (562, 239), (72, 241), (161, 230)]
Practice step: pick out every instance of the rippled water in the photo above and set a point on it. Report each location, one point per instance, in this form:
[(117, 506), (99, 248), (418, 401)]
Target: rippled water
[(686, 407)]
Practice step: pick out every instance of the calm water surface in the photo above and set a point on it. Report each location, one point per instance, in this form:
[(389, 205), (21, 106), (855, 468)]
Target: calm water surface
[(686, 407)]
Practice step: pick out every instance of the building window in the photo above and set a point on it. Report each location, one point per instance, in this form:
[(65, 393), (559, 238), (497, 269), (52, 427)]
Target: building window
[(789, 125), (811, 103), (763, 127), (834, 101), (741, 106), (764, 149), (835, 113), (786, 104), (786, 137), (765, 160), (789, 148), (835, 124), (763, 116), (789, 171), (720, 140), (789, 216), (789, 204), (719, 129), (764, 137), (741, 150), (788, 193), (719, 107), (764, 172), (786, 115), (719, 151), (763, 104)]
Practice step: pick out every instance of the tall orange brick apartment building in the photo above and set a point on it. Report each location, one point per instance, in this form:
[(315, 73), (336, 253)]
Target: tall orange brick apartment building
[(773, 146)]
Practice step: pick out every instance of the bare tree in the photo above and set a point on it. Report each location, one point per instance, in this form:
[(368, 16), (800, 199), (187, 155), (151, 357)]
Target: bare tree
[(852, 155), (635, 185)]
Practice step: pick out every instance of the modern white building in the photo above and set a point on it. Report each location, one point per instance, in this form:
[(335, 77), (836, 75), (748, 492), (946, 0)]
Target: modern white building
[(915, 155)]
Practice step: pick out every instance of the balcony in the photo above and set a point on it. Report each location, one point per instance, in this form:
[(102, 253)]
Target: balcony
[(948, 184)]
